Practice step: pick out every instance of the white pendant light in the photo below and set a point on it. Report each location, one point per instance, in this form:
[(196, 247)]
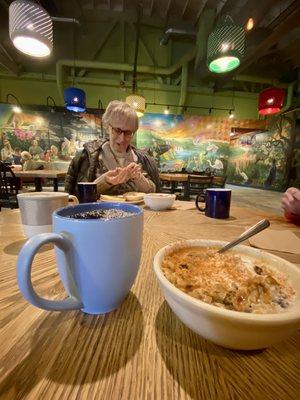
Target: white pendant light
[(30, 28), (137, 102)]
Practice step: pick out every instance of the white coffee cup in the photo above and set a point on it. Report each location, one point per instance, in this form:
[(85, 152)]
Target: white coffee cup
[(37, 207)]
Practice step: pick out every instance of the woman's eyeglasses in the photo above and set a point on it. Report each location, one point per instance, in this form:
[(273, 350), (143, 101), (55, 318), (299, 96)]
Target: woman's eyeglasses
[(119, 131)]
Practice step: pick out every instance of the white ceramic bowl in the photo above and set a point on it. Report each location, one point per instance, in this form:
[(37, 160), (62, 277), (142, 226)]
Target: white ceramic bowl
[(232, 329), (159, 201)]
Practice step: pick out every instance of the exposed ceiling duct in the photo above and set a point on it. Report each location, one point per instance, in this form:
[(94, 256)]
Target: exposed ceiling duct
[(178, 34)]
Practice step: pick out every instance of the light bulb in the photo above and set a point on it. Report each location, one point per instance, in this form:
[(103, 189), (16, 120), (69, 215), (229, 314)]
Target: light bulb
[(271, 100), (75, 99), (224, 64), (17, 109), (250, 24), (225, 47), (31, 46), (167, 111)]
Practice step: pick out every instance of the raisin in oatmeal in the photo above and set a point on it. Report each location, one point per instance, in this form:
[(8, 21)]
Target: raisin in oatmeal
[(228, 280)]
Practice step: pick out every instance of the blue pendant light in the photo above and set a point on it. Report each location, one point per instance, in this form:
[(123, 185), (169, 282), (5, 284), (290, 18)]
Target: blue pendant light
[(74, 99)]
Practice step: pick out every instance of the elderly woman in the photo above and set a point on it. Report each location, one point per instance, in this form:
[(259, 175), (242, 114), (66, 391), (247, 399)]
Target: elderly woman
[(115, 165)]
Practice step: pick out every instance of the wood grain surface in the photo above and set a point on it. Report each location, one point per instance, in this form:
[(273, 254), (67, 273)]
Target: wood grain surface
[(140, 351), (41, 173)]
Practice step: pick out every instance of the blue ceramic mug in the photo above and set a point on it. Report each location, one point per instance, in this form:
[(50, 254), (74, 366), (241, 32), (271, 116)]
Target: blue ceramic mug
[(217, 202), (97, 259)]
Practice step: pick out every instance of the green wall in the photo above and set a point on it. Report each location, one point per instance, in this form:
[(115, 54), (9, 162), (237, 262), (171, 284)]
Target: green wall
[(34, 89)]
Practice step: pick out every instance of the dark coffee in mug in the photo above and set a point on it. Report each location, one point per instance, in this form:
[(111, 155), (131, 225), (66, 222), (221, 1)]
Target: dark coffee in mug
[(217, 202), (87, 192), (110, 213)]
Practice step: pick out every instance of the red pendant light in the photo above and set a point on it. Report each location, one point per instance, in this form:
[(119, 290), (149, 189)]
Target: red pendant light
[(270, 101)]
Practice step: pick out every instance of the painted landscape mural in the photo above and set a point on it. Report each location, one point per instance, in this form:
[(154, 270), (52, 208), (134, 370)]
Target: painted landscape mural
[(248, 152)]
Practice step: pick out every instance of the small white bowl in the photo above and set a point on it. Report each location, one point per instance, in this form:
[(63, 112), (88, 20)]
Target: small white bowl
[(159, 201), (232, 329)]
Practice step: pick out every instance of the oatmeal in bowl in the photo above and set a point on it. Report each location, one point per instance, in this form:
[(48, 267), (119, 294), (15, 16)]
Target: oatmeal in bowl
[(242, 299)]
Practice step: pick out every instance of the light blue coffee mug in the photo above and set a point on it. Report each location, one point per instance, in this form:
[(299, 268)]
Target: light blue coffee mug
[(97, 259)]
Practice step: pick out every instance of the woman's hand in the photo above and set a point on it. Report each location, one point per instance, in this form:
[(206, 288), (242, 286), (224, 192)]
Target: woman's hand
[(122, 175), (117, 176), (291, 201), (134, 170)]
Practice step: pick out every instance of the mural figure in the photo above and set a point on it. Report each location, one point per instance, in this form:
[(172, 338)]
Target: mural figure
[(68, 147), (17, 156), (272, 174), (27, 161), (7, 152), (35, 150), (53, 153), (193, 164), (217, 165), (156, 150)]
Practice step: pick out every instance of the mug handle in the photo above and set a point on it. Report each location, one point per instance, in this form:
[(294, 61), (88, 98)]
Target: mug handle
[(24, 265), (73, 199), (200, 198)]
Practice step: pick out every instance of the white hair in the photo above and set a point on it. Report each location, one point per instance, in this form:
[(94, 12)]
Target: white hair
[(118, 113)]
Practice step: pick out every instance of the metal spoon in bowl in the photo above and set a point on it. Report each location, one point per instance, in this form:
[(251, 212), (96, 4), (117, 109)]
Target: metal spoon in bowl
[(260, 226)]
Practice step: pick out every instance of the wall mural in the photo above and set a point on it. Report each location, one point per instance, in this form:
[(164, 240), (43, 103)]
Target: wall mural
[(246, 151), (192, 143), (259, 158), (45, 136)]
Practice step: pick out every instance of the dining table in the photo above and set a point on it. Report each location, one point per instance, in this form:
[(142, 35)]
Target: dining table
[(39, 174), (141, 350)]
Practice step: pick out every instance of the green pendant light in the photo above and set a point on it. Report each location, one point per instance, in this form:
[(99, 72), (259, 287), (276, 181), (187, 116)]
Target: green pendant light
[(226, 46)]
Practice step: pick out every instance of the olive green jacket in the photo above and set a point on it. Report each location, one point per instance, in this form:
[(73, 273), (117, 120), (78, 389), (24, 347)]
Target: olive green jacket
[(83, 168)]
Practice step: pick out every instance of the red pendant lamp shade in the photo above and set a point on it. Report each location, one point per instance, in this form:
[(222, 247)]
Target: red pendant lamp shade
[(270, 101)]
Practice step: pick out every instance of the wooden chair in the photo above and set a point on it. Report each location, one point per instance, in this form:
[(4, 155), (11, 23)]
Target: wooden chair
[(218, 181), (9, 187), (196, 183)]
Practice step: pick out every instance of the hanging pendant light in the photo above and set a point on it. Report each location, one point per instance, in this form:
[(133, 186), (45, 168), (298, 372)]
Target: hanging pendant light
[(75, 99), (270, 101), (225, 47), (30, 28), (137, 102)]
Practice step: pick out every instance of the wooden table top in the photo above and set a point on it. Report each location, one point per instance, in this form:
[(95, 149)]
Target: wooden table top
[(179, 177), (41, 173), (140, 351)]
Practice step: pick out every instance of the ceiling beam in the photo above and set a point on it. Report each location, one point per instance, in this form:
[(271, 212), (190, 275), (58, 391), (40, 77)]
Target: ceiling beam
[(7, 62), (143, 44), (185, 8), (167, 9), (104, 39), (281, 26), (255, 10), (151, 8), (201, 7)]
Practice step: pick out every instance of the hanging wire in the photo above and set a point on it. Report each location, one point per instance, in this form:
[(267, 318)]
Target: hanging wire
[(74, 53)]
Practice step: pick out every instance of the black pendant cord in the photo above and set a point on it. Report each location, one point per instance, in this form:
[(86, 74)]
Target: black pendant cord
[(137, 39)]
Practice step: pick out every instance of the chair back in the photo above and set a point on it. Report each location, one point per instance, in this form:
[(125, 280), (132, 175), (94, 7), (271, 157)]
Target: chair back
[(219, 181), (9, 186), (198, 182)]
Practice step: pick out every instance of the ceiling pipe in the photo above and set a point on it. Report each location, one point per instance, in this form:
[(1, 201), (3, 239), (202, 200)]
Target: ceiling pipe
[(122, 67), (184, 86), (175, 33), (165, 71), (289, 98)]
